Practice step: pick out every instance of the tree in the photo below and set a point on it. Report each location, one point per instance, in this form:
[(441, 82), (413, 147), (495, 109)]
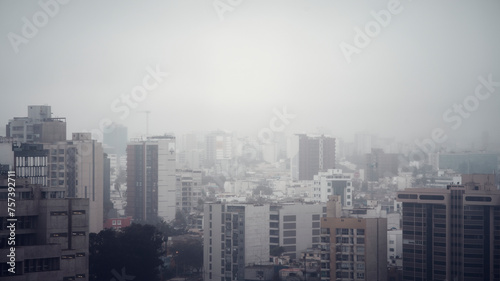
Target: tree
[(266, 190), (277, 251), (188, 254), (135, 250)]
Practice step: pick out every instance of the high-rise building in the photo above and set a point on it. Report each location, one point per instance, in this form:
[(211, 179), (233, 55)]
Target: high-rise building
[(452, 233), (51, 235), (469, 163), (236, 235), (310, 155), (219, 146), (39, 126), (380, 164), (352, 248), (151, 178), (115, 139), (188, 189), (333, 182), (241, 235), (66, 169)]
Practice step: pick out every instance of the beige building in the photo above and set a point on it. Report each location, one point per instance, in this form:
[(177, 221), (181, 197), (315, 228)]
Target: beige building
[(353, 248), (71, 169), (51, 236)]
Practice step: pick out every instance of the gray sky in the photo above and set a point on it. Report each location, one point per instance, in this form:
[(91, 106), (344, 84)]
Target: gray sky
[(231, 73)]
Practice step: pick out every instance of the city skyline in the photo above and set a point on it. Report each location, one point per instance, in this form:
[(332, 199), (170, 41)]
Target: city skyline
[(305, 57)]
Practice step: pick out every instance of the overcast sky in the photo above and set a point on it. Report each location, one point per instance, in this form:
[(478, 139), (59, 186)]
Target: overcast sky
[(229, 69)]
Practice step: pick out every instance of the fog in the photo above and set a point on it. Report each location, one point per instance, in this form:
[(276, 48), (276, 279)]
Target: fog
[(218, 65)]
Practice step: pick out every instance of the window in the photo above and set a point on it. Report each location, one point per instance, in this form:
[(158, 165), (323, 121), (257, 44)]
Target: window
[(289, 218), (360, 231)]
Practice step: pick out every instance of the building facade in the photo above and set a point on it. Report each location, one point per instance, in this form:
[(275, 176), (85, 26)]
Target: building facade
[(151, 178), (189, 189), (39, 126), (452, 233), (353, 248), (235, 236), (70, 169), (333, 182), (310, 155), (52, 235)]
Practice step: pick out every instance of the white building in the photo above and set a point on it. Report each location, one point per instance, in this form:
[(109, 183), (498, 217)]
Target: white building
[(236, 235), (296, 227), (333, 182), (394, 244)]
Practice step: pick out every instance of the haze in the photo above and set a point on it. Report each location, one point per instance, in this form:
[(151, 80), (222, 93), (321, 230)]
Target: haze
[(231, 73)]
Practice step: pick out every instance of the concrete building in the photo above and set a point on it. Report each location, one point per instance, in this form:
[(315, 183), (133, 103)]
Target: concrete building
[(77, 167), (311, 154), (333, 182), (469, 163), (380, 164), (115, 138), (39, 126), (151, 179), (295, 227), (188, 189), (219, 146), (395, 246), (353, 248), (72, 169), (52, 235), (235, 236), (452, 233)]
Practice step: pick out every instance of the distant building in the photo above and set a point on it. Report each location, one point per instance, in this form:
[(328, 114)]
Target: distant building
[(188, 185), (52, 235), (151, 178), (333, 182), (353, 248), (310, 155), (380, 164), (452, 233), (219, 146), (469, 163), (39, 126), (116, 137)]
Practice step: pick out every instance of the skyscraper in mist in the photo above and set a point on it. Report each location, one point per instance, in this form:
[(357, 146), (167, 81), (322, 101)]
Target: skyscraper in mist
[(151, 178), (310, 155)]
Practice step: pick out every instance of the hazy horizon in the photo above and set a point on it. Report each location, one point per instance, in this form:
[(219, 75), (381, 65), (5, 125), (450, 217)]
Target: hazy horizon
[(230, 72)]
